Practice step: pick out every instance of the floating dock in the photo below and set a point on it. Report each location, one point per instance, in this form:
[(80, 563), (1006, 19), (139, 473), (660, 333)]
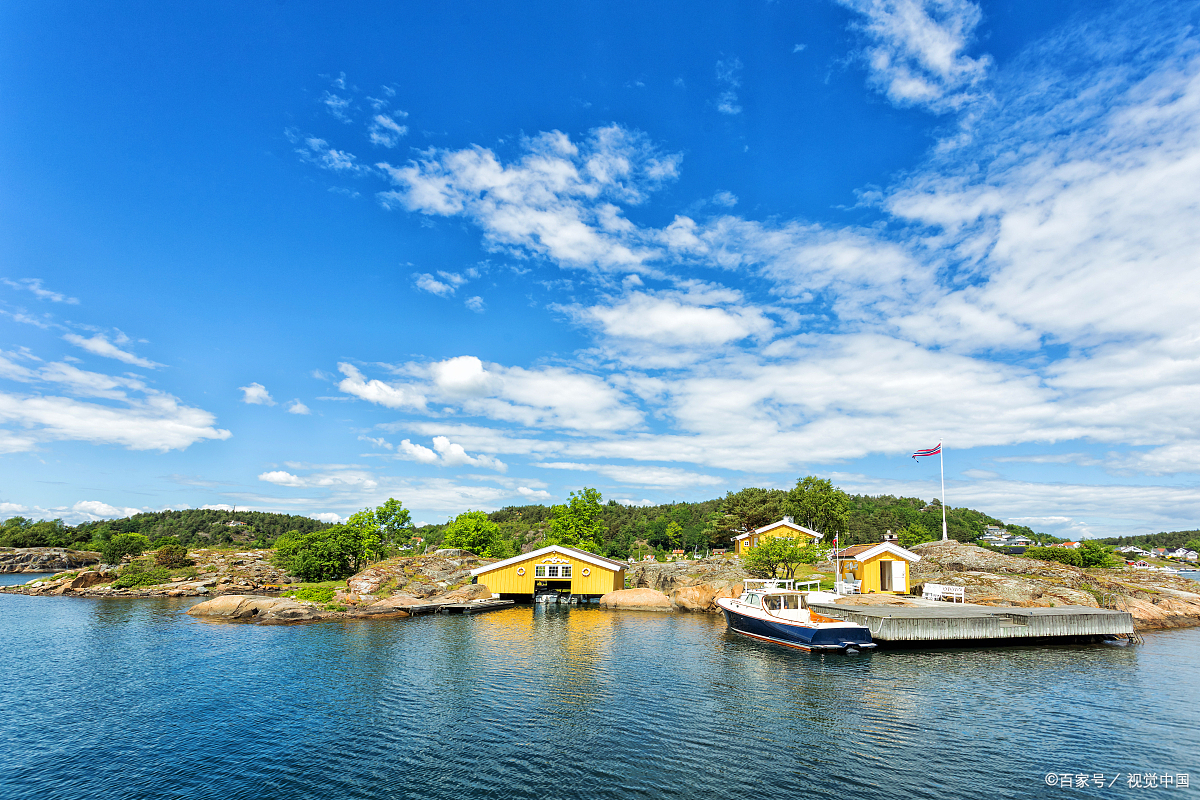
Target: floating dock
[(469, 607), (934, 623)]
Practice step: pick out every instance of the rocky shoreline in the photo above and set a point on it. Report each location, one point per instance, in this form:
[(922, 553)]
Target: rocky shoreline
[(1155, 600)]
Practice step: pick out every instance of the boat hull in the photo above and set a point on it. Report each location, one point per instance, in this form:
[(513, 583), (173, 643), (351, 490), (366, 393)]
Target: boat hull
[(810, 637)]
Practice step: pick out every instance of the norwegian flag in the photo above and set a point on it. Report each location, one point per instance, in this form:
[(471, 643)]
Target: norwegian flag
[(933, 451)]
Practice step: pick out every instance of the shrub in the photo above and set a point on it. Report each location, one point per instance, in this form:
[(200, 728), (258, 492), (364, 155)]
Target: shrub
[(139, 573), (1062, 555), (315, 594), (172, 556), (126, 544), (325, 555)]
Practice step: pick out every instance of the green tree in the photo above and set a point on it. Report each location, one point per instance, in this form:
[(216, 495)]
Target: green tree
[(395, 522), (325, 555), (1094, 554), (577, 523), (779, 553), (474, 532), (674, 534), (744, 511), (913, 534), (817, 505), (125, 544)]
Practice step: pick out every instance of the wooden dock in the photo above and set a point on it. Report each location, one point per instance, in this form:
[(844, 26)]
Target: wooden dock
[(469, 607), (954, 623)]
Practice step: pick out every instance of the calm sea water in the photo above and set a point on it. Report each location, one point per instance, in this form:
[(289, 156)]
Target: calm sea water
[(134, 699)]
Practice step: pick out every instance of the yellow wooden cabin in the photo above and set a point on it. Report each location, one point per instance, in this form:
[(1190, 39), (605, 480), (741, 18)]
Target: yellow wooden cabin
[(785, 527), (552, 569), (882, 567)]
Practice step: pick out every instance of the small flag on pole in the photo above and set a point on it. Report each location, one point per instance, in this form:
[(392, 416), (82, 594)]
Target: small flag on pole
[(933, 451)]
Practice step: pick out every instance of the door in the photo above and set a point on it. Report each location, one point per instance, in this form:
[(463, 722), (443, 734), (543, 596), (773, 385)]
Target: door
[(885, 576), (898, 582)]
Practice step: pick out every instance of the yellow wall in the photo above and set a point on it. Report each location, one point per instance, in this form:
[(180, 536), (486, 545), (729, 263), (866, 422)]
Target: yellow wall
[(601, 580), (742, 546), (868, 573)]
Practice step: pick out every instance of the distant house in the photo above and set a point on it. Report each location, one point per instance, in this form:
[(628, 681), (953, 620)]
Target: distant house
[(720, 551), (233, 523), (785, 527), (1159, 552), (1183, 553), (1072, 545), (1133, 549)]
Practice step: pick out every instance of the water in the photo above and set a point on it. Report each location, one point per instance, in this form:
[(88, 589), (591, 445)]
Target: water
[(133, 699), (17, 578)]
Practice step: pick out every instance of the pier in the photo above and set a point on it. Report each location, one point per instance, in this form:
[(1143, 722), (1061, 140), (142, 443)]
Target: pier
[(468, 607), (932, 622)]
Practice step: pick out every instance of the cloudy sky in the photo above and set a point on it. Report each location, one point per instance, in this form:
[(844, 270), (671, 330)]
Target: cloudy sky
[(284, 256)]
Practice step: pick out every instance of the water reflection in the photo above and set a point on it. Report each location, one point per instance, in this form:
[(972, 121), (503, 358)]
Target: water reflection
[(121, 698)]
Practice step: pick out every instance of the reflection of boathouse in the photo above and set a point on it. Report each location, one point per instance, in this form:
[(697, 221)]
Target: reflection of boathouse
[(555, 569)]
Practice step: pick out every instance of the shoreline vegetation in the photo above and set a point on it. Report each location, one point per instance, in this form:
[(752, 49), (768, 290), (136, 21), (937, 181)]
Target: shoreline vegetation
[(377, 562)]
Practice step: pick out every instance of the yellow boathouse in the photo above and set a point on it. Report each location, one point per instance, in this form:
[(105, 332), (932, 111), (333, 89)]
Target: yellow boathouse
[(882, 567), (552, 569), (786, 528)]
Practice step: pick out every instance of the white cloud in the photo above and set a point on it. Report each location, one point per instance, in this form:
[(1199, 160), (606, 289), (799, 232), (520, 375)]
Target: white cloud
[(533, 494), (454, 455), (417, 452), (326, 516), (475, 304), (729, 78), (917, 55), (158, 422), (385, 131), (317, 151), (256, 394), (101, 346), (330, 478), (296, 407), (725, 199), (97, 509), (34, 285), (375, 391), (558, 201)]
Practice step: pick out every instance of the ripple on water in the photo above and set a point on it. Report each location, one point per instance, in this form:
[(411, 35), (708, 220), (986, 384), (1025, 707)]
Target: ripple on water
[(117, 699)]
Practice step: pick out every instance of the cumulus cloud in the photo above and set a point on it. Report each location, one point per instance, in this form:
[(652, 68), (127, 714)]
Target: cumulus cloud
[(539, 495), (555, 397), (475, 304), (376, 391), (101, 346), (97, 509), (256, 394), (326, 516), (557, 201), (916, 55), (296, 407), (444, 285)]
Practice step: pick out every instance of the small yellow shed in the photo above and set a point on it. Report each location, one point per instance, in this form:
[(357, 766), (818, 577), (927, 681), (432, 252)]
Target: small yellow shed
[(882, 567), (552, 569), (786, 528)]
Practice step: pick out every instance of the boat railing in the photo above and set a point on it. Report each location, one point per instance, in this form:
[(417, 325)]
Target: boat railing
[(766, 584)]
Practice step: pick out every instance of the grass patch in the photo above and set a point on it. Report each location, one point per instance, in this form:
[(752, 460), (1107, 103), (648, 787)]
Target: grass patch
[(141, 573), (315, 592)]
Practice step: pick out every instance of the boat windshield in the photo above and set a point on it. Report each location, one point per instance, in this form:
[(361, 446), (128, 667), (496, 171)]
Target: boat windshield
[(776, 602)]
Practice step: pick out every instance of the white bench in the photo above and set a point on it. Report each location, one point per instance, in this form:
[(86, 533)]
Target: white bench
[(940, 591), (847, 587)]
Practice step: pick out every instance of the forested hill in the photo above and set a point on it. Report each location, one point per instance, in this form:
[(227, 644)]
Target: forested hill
[(628, 530), (1171, 541), (193, 527), (633, 530)]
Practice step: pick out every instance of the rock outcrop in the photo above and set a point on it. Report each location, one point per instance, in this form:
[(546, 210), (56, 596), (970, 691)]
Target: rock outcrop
[(45, 559), (418, 576), (1155, 600), (690, 585), (636, 600)]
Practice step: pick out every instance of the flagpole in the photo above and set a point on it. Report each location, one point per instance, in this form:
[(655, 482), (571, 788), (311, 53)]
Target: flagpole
[(837, 563), (942, 464)]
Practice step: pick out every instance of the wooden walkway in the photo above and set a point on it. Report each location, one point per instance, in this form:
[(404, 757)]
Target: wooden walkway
[(469, 607), (965, 622)]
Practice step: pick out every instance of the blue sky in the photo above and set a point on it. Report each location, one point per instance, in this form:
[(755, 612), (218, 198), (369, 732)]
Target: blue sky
[(291, 257)]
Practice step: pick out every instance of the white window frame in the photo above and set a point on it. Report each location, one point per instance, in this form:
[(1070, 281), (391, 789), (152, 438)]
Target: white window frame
[(539, 571)]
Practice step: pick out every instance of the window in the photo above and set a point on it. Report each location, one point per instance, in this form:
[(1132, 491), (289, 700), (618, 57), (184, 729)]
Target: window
[(566, 571), (553, 571), (539, 571)]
